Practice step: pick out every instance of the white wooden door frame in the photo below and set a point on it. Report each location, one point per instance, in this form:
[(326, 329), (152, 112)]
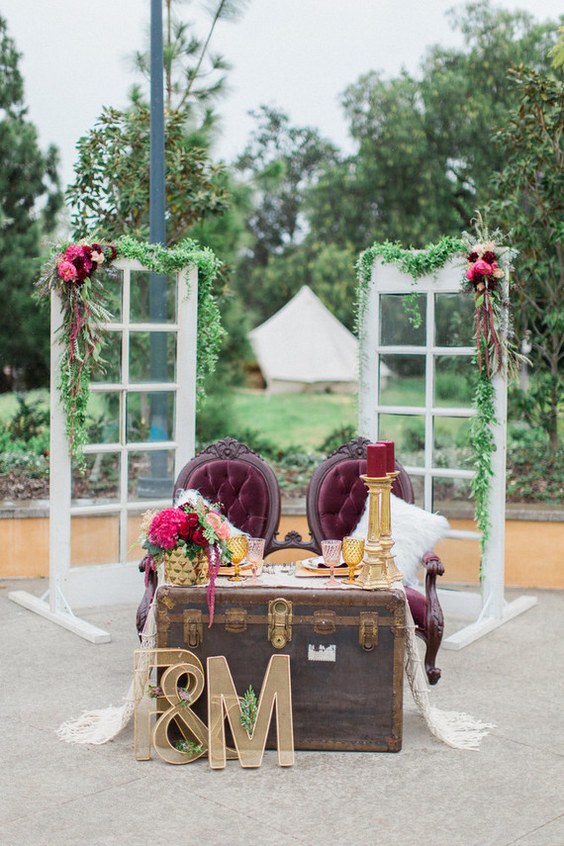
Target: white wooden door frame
[(105, 584), (489, 607)]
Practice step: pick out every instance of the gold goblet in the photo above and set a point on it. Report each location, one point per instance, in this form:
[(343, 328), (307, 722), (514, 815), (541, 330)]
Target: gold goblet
[(237, 546), (353, 551)]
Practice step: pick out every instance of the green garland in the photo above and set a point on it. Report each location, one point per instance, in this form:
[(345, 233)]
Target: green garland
[(84, 314), (414, 263), (418, 263)]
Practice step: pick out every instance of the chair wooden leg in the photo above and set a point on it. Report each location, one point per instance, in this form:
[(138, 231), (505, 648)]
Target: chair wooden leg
[(434, 621)]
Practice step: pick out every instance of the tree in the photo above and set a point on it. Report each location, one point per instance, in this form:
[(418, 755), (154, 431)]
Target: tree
[(29, 201), (110, 194), (424, 151), (530, 204), (279, 165)]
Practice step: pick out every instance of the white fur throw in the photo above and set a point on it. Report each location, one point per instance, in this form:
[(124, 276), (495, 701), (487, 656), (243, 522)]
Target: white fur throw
[(192, 496), (415, 532)]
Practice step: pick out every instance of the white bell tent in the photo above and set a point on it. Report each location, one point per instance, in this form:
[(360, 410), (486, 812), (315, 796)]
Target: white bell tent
[(123, 449), (427, 411), (303, 347)]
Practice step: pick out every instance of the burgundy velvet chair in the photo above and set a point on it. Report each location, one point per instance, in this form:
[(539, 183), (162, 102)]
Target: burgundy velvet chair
[(230, 473), (335, 501)]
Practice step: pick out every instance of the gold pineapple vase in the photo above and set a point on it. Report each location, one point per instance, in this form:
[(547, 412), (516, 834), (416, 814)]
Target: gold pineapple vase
[(183, 570)]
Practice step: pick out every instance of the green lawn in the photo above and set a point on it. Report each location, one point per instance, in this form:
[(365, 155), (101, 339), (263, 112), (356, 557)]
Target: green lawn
[(301, 420)]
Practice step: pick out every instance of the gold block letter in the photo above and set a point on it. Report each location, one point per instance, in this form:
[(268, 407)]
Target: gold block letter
[(224, 702)]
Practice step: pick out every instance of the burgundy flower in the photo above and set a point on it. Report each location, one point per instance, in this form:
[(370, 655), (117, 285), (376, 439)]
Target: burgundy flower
[(188, 524), (472, 256), (489, 256), (198, 537)]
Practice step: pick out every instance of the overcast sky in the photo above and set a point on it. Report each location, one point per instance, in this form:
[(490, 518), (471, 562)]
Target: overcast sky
[(296, 54)]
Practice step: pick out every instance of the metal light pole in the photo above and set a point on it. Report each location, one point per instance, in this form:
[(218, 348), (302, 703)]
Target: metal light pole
[(159, 483)]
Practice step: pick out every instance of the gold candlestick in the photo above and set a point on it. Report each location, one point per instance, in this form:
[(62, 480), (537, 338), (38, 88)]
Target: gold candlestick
[(386, 539), (379, 571)]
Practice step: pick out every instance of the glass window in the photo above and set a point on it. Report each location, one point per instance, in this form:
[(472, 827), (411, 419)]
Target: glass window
[(454, 320), (408, 433), (109, 368), (113, 286), (150, 416), (452, 497), (152, 356), (150, 475), (152, 297), (455, 381), (398, 312), (402, 380), (451, 443), (103, 415), (99, 482)]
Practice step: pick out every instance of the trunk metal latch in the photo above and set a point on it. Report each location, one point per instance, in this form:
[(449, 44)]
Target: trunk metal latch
[(368, 630), (193, 630), (235, 620), (279, 622), (325, 622)]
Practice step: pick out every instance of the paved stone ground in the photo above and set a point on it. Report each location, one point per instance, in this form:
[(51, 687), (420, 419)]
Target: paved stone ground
[(511, 792)]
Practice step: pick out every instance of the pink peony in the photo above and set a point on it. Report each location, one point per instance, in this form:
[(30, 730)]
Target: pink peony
[(166, 526), (482, 268), (67, 271), (73, 252), (470, 272), (218, 524)]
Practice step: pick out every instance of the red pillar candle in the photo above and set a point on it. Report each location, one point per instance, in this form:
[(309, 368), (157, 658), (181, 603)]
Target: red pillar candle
[(390, 456), (376, 461)]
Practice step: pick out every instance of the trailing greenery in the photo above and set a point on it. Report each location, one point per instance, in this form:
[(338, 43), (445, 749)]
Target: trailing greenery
[(481, 436)]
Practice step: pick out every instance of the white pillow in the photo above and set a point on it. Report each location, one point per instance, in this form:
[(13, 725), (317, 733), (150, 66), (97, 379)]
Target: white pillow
[(415, 532)]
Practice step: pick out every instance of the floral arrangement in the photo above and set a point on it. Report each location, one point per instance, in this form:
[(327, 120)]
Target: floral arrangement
[(191, 529), (482, 277), (74, 275)]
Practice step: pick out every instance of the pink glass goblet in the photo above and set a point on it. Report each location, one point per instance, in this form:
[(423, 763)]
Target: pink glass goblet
[(331, 551), (255, 556)]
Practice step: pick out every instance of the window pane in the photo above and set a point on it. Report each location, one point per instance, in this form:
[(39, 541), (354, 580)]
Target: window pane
[(150, 475), (451, 443), (452, 497), (103, 415), (110, 368), (408, 433), (99, 482), (402, 380), (455, 381), (397, 313), (113, 285), (163, 308), (152, 356), (454, 320), (150, 416), (94, 539)]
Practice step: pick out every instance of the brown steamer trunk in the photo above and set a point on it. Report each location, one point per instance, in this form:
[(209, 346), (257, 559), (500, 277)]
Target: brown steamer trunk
[(346, 649)]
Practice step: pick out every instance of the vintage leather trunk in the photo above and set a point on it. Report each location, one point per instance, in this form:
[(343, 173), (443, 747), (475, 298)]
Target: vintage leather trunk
[(346, 652)]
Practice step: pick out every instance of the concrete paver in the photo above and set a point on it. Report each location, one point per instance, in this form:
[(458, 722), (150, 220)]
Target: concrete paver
[(510, 792)]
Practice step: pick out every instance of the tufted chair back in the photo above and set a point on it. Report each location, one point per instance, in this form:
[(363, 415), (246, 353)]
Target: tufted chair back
[(336, 495), (230, 473)]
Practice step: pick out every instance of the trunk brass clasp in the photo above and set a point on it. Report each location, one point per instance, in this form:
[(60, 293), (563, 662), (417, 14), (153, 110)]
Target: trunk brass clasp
[(368, 630), (193, 630), (279, 622)]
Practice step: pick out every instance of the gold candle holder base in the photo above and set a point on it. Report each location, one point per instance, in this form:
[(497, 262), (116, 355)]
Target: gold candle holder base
[(379, 571)]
